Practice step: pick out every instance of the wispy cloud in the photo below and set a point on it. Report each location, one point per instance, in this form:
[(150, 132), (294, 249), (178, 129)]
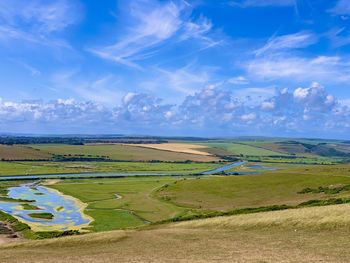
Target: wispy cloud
[(342, 7), (323, 68), (285, 42), (37, 21), (339, 37), (104, 89), (262, 3), (153, 26), (33, 71)]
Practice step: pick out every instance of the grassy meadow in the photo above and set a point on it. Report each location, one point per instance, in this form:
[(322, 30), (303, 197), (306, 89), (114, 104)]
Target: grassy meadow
[(50, 167), (268, 188), (121, 203), (137, 218), (121, 152), (317, 234), (19, 152)]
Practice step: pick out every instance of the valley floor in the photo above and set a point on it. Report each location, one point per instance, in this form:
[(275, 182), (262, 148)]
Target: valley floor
[(317, 234)]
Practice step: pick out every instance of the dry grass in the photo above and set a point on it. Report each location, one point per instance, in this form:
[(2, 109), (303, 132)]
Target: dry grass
[(177, 147), (224, 239), (334, 216)]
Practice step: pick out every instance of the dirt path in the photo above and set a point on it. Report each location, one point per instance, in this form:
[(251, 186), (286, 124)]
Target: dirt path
[(5, 239)]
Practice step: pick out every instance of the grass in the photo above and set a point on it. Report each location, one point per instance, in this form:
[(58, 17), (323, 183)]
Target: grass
[(26, 206), (120, 152), (302, 235), (137, 201), (47, 216), (270, 188), (109, 219), (241, 149), (136, 206), (27, 168), (17, 152)]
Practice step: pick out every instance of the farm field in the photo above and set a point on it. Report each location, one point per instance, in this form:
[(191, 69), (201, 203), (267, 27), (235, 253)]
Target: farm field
[(17, 152), (27, 168), (242, 149), (122, 152), (302, 176), (302, 235), (177, 147)]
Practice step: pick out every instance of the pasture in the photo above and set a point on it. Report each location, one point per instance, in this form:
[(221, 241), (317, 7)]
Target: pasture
[(241, 149), (27, 168), (304, 235), (18, 152), (121, 152), (121, 203), (269, 188)]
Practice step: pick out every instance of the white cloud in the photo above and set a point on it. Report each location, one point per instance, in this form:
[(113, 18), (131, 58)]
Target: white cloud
[(185, 80), (301, 111), (300, 93), (37, 21), (104, 89), (152, 26), (342, 7), (324, 68), (262, 3), (285, 42), (248, 117), (268, 105), (239, 80), (37, 15)]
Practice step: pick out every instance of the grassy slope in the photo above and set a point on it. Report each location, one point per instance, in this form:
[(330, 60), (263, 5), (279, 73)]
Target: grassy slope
[(319, 234), (270, 188), (159, 198), (24, 168), (122, 152), (244, 149), (17, 152), (111, 212)]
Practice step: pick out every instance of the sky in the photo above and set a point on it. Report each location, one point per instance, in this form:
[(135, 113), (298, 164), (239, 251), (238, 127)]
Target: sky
[(183, 68)]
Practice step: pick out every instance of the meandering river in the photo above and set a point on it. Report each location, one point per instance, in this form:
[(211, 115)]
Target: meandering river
[(67, 211)]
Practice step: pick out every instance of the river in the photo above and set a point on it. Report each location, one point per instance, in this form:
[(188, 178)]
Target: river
[(67, 211)]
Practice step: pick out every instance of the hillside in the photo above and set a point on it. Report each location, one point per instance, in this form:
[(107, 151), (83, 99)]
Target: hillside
[(280, 236)]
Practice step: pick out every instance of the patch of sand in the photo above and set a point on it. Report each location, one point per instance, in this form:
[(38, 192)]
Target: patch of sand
[(176, 147), (4, 239), (51, 181)]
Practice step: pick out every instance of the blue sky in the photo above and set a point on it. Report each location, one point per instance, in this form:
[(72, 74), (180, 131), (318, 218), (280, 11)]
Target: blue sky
[(204, 68)]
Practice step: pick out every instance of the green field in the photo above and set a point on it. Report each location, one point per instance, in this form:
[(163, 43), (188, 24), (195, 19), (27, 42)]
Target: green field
[(27, 168), (18, 152), (120, 152), (152, 199), (120, 203), (241, 149), (269, 188), (141, 208)]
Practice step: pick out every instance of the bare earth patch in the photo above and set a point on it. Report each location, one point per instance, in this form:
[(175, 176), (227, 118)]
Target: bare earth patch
[(176, 147)]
